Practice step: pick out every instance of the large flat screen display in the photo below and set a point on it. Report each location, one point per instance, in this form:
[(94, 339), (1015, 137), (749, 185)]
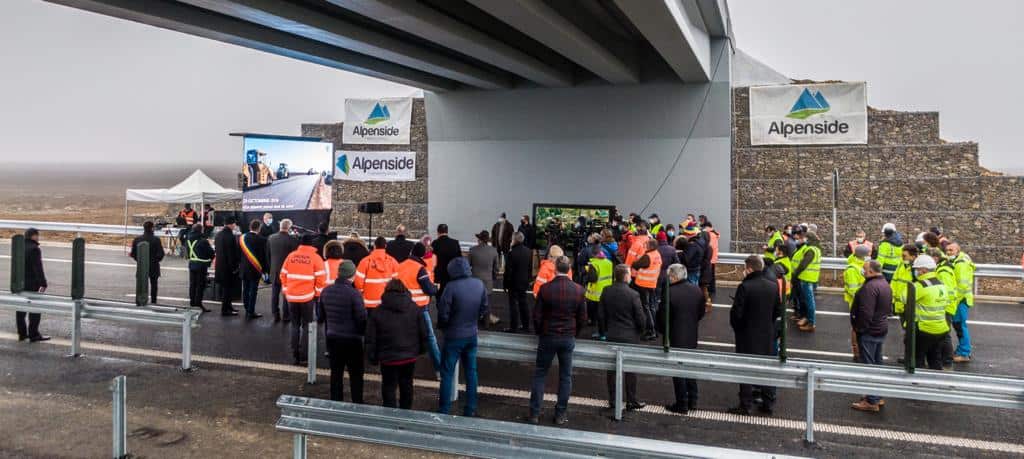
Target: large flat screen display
[(286, 174)]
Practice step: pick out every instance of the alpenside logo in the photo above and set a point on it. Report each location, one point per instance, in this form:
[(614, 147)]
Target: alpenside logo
[(379, 114), (343, 164), (808, 105)]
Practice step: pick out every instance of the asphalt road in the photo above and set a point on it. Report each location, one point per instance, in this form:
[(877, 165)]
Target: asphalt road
[(998, 333), (292, 193)]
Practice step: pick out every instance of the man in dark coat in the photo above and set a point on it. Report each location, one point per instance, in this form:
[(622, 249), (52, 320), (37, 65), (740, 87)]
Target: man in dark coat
[(35, 281), (529, 232), (321, 238), (754, 310), (200, 254), (446, 249), (279, 245), (156, 254), (501, 238), (225, 269), (621, 319), (685, 310), (252, 266), (400, 247), (518, 270), (342, 310), (270, 227)]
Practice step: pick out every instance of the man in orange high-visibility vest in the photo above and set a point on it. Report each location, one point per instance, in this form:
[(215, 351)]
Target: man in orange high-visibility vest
[(374, 272), (648, 268), (303, 277)]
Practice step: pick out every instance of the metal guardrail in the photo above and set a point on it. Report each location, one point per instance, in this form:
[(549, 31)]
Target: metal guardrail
[(68, 227), (475, 437), (185, 319), (811, 375)]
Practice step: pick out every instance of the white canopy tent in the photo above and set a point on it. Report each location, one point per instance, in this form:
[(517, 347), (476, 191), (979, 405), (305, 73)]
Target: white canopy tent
[(197, 188)]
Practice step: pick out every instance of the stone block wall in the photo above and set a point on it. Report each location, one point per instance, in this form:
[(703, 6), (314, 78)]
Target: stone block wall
[(905, 174), (404, 202)]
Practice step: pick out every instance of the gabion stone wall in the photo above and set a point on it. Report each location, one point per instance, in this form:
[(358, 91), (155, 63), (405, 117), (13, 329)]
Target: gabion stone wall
[(905, 174), (404, 202)]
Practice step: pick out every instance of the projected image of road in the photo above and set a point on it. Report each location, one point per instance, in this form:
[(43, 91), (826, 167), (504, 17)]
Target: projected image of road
[(286, 174)]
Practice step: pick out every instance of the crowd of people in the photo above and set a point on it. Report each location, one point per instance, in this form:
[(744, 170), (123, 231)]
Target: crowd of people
[(635, 280)]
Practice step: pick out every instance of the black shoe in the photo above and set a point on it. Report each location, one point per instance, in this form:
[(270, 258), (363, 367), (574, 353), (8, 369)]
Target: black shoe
[(301, 363), (678, 409), (524, 330), (202, 308), (510, 330), (533, 419), (900, 360), (22, 337), (38, 338), (692, 405), (739, 410), (277, 318), (765, 409), (635, 406), (253, 316), (229, 313), (471, 415), (561, 419)]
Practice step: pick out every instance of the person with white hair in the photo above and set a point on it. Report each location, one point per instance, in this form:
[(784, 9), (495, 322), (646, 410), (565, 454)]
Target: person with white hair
[(279, 245), (685, 309)]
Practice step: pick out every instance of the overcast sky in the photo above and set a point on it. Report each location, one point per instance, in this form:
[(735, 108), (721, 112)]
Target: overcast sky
[(77, 86)]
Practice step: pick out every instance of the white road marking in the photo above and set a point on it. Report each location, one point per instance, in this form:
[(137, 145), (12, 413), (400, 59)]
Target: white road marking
[(106, 263), (704, 415), (847, 315)]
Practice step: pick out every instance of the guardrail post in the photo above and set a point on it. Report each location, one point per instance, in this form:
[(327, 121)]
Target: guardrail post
[(142, 274), (619, 380), (17, 263), (783, 331), (299, 447), (186, 340), (910, 345), (119, 386), (78, 268), (76, 327), (811, 386), (311, 354), (665, 299), (454, 396)]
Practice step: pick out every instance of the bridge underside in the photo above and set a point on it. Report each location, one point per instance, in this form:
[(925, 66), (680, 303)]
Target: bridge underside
[(445, 45)]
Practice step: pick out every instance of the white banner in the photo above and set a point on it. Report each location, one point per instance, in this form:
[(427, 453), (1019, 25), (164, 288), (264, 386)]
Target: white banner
[(800, 114), (377, 121), (375, 166)]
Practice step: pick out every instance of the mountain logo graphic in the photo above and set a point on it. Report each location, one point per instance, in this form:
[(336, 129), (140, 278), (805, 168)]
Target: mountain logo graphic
[(343, 164), (808, 105), (379, 114)]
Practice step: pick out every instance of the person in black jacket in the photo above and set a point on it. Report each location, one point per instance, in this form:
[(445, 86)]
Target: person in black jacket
[(754, 310), (516, 281), (621, 319), (529, 232), (35, 281), (200, 255), (342, 310), (446, 249), (685, 310), (400, 247), (270, 227), (395, 335), (869, 314), (156, 254), (322, 237), (252, 266), (225, 269)]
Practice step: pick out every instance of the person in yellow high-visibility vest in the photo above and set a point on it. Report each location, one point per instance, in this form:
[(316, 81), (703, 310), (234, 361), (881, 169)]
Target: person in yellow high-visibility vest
[(853, 279), (774, 236), (807, 268), (930, 297), (963, 268)]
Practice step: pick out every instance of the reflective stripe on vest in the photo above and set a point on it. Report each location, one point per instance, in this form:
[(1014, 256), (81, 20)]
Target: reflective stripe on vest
[(604, 278), (192, 252)]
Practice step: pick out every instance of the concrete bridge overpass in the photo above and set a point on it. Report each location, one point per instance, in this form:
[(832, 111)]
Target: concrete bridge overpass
[(447, 45)]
